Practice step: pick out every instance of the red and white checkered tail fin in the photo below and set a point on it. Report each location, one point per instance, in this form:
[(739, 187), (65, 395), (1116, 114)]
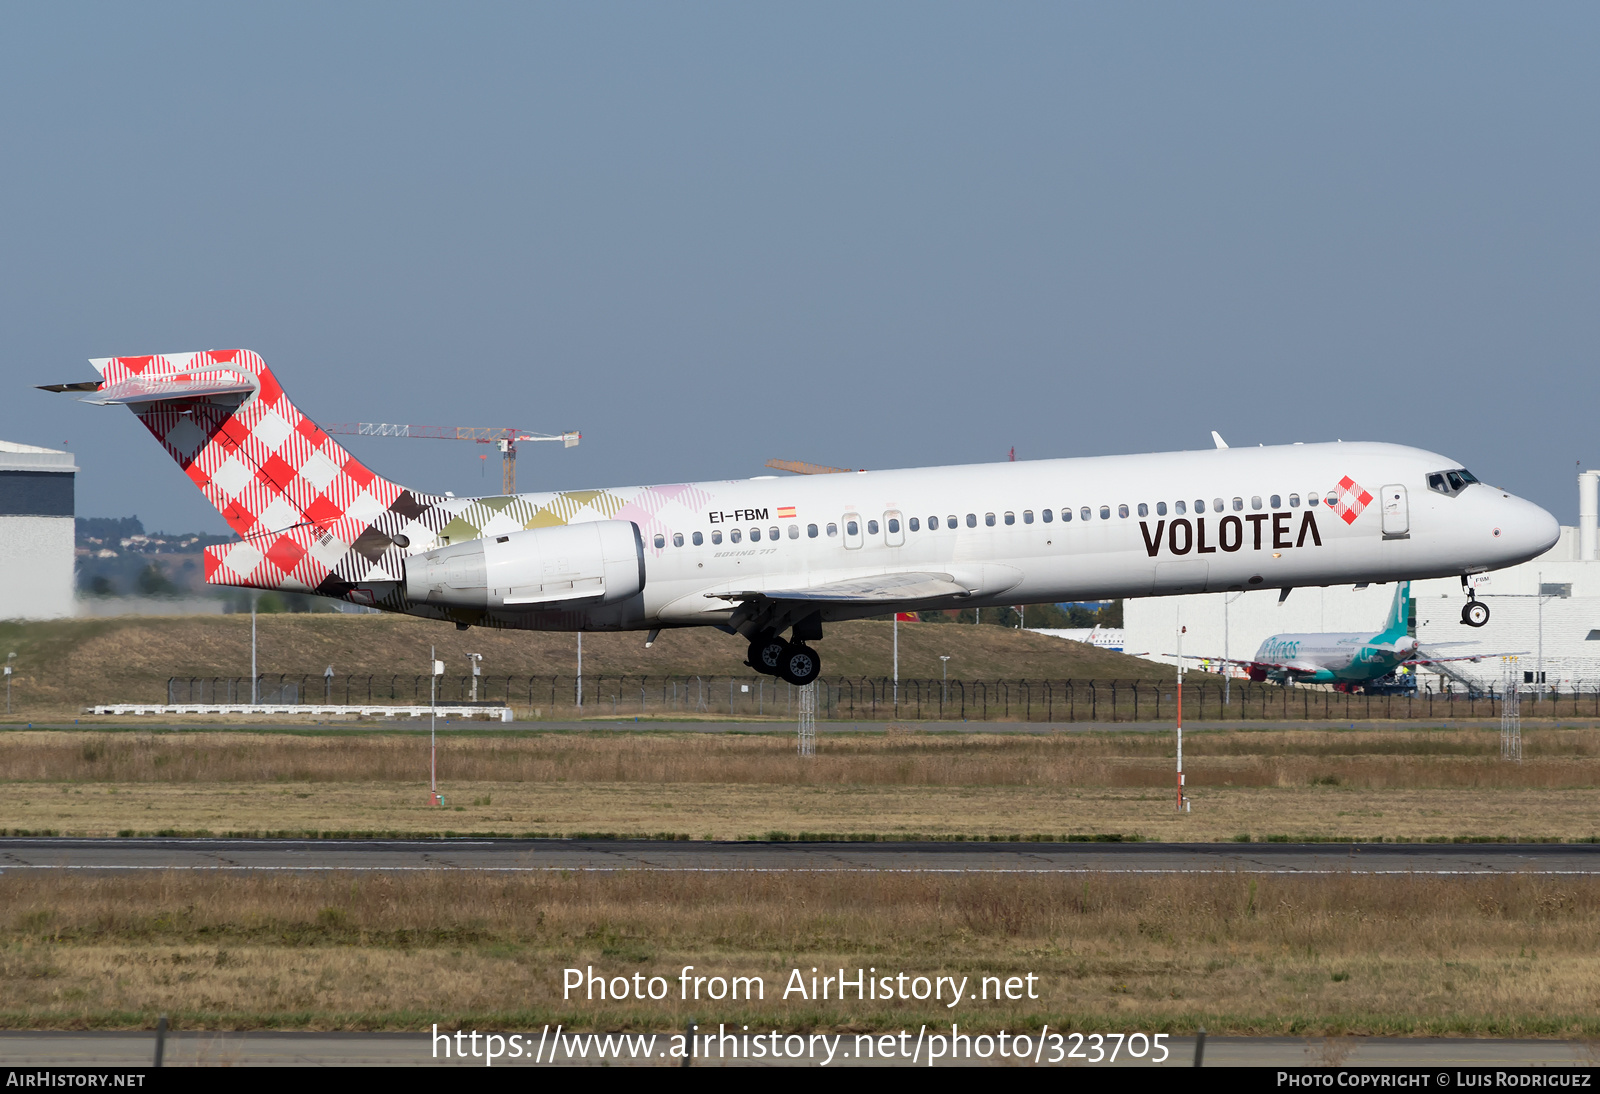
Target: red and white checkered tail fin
[(310, 517)]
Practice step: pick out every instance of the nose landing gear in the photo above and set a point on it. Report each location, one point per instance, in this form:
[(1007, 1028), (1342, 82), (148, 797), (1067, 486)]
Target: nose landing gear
[(1474, 613)]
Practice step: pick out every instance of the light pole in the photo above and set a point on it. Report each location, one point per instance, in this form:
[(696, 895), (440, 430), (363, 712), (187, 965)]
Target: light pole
[(476, 661), (10, 657), (896, 661), (580, 674), (1227, 665), (435, 670), (255, 691)]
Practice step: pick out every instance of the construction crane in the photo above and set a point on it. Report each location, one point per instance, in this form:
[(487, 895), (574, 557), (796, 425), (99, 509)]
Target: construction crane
[(505, 439), (799, 467)]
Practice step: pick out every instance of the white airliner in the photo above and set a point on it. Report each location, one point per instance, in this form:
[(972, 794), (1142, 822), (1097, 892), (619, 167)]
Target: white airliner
[(768, 557)]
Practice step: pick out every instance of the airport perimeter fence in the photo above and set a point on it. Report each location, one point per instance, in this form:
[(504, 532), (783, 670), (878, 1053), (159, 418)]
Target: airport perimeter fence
[(878, 698)]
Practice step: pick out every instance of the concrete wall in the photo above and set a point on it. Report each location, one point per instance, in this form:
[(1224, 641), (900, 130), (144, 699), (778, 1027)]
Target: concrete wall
[(36, 567)]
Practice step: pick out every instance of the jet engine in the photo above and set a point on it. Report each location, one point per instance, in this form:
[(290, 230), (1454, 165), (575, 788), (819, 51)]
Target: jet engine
[(598, 562)]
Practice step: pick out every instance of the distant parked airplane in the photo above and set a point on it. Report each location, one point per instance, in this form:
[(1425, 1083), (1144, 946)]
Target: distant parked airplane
[(1347, 660), (765, 557)]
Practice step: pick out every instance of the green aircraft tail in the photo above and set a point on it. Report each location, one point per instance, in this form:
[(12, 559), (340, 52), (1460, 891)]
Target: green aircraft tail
[(1402, 618)]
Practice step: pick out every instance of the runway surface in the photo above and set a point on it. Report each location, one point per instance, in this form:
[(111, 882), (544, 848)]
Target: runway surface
[(108, 856), (135, 1049)]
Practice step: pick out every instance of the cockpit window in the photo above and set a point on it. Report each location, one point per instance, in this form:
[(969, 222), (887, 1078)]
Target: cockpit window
[(1451, 482)]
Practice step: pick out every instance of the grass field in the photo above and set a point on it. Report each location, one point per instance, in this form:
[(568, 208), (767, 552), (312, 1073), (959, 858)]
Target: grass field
[(1279, 955), (1276, 954), (1410, 784), (64, 664)]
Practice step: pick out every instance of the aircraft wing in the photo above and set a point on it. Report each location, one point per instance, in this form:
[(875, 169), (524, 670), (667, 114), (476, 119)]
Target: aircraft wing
[(862, 590), (1251, 663)]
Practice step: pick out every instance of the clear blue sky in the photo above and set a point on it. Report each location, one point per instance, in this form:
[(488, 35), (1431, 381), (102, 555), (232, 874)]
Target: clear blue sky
[(871, 235)]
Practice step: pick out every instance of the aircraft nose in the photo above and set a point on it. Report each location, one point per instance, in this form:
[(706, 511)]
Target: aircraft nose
[(1528, 529)]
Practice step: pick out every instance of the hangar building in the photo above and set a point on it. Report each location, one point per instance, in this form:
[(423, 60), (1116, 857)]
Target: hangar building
[(1548, 610), (36, 532)]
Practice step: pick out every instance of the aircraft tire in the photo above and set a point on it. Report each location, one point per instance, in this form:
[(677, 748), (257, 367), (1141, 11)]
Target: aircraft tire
[(800, 665), (766, 654), (1475, 613)]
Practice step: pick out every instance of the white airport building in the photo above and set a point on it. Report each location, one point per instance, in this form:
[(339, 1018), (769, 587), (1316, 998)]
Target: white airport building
[(1547, 610), (36, 532)]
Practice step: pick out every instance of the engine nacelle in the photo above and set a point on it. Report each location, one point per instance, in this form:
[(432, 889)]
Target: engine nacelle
[(598, 562)]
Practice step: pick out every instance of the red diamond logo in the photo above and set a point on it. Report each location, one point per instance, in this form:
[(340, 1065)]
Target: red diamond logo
[(1352, 500)]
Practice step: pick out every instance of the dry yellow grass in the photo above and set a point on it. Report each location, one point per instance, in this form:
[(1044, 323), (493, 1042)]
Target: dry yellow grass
[(1313, 784), (722, 811), (1509, 955)]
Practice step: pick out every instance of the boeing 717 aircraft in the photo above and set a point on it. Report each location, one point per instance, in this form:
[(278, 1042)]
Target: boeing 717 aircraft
[(773, 561), (1347, 661)]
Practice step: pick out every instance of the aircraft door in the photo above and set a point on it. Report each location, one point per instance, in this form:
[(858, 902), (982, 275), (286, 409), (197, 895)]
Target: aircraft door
[(1396, 513), (852, 530), (894, 528)]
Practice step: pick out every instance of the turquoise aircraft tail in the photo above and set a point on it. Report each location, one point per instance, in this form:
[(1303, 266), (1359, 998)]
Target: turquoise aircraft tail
[(1402, 618)]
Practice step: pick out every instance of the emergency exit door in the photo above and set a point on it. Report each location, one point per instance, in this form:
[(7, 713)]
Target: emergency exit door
[(1396, 513)]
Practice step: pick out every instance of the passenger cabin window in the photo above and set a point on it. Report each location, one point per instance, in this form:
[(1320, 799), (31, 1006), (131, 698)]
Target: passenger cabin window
[(1277, 502), (1048, 515), (872, 527), (833, 530), (1199, 505), (1161, 508), (1238, 504), (1122, 510), (988, 519), (950, 522), (811, 531), (1085, 513), (698, 539), (1294, 501), (933, 524), (972, 520), (734, 536), (716, 535), (1332, 497), (1105, 512), (1027, 516), (1144, 510), (677, 539), (772, 533), (1217, 505), (1011, 518), (1066, 515), (894, 524), (794, 531), (1311, 498), (661, 540), (755, 535), (851, 528)]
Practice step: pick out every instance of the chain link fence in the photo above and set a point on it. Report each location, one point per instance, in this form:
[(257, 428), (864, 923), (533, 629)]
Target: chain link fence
[(873, 698)]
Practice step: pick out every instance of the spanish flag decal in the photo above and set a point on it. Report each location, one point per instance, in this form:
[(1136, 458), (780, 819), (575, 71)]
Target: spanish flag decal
[(785, 511)]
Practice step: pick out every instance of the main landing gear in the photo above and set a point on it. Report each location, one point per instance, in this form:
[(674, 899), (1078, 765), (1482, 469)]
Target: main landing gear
[(795, 662), (1474, 613)]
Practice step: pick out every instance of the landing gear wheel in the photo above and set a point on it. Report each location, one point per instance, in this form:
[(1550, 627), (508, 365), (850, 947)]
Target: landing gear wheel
[(766, 654), (1475, 613), (800, 665)]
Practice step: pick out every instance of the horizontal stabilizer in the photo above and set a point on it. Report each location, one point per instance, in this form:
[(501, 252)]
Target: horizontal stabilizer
[(85, 385), (882, 587), (157, 389)]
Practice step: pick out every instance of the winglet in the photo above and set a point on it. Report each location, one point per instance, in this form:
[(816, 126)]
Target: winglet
[(1217, 437)]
